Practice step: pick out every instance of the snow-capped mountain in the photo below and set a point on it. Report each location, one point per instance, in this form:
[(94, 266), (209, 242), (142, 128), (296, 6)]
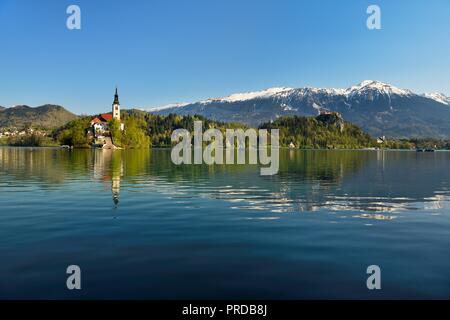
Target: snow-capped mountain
[(250, 95), (378, 107), (372, 88), (167, 106), (439, 97)]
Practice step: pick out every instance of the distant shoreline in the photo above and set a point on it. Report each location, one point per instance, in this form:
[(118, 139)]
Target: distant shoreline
[(168, 148)]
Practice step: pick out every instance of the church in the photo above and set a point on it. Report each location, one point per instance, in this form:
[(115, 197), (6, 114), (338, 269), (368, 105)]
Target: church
[(100, 123)]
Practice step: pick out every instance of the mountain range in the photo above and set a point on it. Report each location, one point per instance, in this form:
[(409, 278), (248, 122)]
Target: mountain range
[(379, 108), (47, 116)]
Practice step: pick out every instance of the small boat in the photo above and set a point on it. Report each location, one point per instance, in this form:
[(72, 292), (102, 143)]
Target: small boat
[(419, 150), (429, 150)]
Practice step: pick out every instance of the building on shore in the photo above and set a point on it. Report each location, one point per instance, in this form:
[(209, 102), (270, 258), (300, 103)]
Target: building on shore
[(100, 123), (381, 140)]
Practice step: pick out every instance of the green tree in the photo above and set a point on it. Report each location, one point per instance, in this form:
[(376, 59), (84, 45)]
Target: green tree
[(74, 133), (135, 135), (116, 132)]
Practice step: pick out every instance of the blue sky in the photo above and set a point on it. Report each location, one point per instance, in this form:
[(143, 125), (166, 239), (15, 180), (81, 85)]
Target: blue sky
[(166, 51)]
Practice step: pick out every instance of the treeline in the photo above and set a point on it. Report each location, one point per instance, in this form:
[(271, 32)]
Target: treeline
[(322, 132), (417, 143), (160, 128), (430, 143), (28, 140), (143, 130), (74, 133)]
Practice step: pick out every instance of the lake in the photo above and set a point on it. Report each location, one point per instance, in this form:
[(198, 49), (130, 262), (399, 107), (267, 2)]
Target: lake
[(140, 227)]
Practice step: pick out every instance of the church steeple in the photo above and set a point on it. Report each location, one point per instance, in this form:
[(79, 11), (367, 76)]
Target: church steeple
[(116, 106), (116, 98)]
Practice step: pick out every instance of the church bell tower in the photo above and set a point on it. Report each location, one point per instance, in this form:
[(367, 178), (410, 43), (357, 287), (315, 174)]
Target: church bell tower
[(116, 107)]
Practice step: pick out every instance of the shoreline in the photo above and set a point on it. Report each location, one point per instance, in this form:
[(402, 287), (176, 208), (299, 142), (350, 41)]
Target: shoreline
[(168, 148)]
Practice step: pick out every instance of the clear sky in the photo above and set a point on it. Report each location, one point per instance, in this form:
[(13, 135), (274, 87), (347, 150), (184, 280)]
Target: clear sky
[(166, 51)]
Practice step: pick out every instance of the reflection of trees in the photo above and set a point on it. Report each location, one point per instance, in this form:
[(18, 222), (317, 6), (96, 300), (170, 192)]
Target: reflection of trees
[(55, 165), (337, 180), (310, 177), (161, 165), (118, 165), (321, 165), (51, 166), (307, 180), (45, 165)]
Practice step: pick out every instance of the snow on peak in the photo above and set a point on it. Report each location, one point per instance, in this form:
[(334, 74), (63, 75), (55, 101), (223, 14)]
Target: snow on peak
[(373, 85), (367, 88), (328, 91), (167, 106), (251, 95), (439, 97)]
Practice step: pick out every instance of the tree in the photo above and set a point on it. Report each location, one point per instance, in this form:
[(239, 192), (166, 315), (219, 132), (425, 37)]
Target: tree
[(135, 135), (74, 133), (116, 132)]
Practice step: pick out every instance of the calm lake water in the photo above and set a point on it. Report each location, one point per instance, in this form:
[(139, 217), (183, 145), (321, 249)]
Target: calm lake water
[(141, 227)]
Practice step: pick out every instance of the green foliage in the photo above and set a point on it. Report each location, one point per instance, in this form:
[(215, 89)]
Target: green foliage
[(74, 133), (323, 132), (160, 128), (116, 133), (29, 140), (320, 133), (398, 144), (430, 143), (134, 135)]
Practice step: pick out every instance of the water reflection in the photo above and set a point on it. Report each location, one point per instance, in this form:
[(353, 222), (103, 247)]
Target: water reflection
[(372, 185), (108, 166)]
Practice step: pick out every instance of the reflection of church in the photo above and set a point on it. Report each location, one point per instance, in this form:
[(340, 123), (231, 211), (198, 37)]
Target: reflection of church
[(108, 168), (115, 189)]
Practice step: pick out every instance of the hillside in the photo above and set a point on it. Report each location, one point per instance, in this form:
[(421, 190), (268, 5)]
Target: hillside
[(160, 128), (327, 131), (378, 108), (47, 116)]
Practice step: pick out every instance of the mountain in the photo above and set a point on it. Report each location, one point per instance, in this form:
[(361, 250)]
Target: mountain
[(379, 108), (439, 97), (46, 116)]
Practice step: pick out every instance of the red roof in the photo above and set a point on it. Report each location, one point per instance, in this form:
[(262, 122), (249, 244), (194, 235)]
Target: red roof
[(106, 116), (96, 120)]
